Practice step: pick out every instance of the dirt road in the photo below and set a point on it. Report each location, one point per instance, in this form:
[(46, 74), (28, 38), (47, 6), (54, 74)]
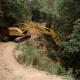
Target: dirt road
[(10, 69)]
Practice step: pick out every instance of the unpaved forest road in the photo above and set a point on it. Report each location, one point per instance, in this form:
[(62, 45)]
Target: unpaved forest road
[(10, 69)]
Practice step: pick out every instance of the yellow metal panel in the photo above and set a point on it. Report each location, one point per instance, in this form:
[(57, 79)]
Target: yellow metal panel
[(13, 31), (55, 37)]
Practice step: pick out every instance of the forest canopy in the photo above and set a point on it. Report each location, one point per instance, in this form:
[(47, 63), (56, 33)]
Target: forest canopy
[(64, 12)]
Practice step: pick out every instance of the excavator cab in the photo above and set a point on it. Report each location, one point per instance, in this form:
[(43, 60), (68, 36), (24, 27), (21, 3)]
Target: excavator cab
[(15, 33)]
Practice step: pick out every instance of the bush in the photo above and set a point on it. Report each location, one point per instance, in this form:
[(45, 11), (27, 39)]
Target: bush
[(13, 12), (29, 55), (52, 53), (70, 50), (32, 55)]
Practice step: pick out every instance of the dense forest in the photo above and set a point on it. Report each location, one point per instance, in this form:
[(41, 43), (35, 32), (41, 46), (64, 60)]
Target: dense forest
[(61, 15)]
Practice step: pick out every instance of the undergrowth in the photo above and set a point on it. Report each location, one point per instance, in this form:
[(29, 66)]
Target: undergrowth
[(32, 55)]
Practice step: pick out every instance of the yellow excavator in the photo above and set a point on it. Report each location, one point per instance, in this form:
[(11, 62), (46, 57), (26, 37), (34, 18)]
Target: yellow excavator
[(19, 31)]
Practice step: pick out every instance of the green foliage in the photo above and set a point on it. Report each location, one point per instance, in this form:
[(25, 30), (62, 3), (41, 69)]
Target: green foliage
[(65, 13), (72, 43), (35, 4), (52, 53), (1, 37), (70, 50), (42, 5), (29, 55), (69, 75), (32, 55), (13, 12)]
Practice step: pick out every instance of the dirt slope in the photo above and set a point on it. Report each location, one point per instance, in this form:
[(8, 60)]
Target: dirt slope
[(10, 69)]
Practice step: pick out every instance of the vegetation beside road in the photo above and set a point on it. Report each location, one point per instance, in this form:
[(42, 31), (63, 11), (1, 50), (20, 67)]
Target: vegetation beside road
[(38, 56)]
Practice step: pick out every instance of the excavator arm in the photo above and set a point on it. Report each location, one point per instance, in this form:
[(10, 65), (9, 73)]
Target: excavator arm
[(45, 30)]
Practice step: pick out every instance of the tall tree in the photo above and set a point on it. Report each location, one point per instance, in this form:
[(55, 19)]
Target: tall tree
[(49, 18)]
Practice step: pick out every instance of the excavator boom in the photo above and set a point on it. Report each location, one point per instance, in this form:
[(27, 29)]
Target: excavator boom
[(22, 29)]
